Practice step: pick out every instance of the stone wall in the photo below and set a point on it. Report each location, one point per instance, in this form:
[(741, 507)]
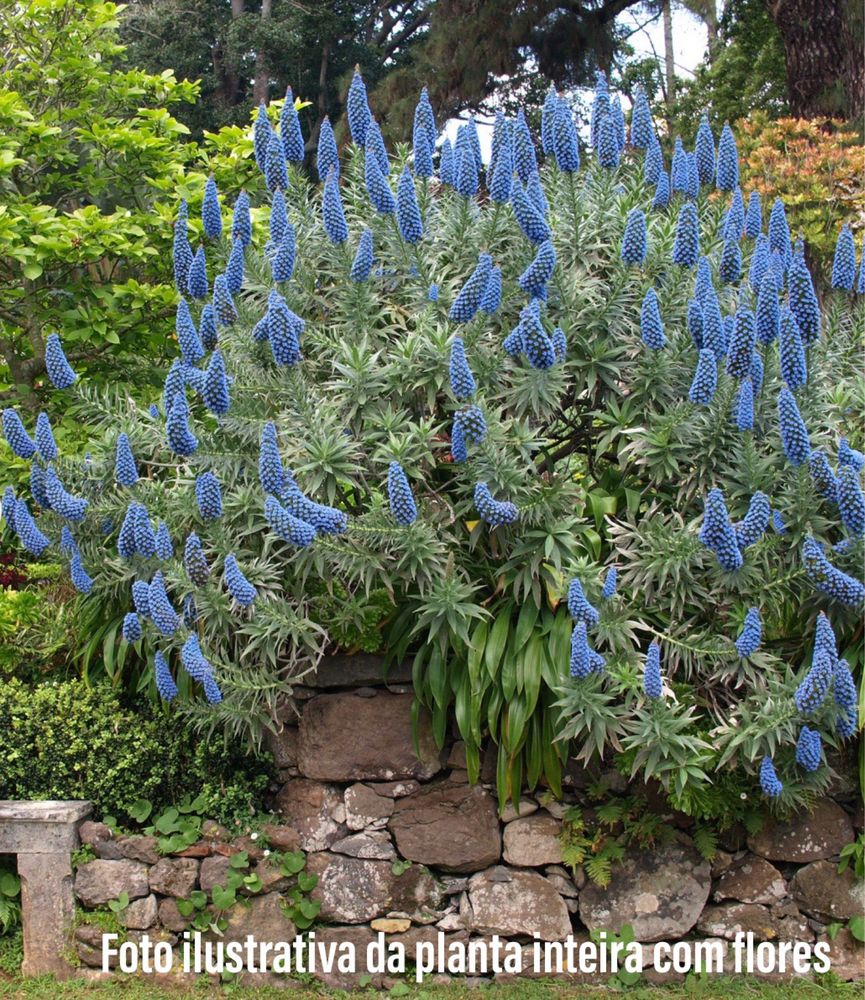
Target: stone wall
[(355, 797)]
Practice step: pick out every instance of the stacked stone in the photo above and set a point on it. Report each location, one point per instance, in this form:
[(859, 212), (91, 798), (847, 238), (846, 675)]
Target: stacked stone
[(404, 845)]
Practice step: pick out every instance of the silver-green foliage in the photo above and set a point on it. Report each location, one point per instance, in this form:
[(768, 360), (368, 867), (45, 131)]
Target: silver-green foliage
[(604, 456)]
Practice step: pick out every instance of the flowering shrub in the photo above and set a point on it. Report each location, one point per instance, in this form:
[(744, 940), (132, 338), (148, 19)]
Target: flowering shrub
[(815, 166), (550, 426)]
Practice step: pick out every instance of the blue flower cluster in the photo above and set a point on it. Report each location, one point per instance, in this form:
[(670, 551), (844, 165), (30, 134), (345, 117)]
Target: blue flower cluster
[(769, 781), (46, 446), (533, 280), (194, 560), (653, 685), (579, 607), (165, 684), (794, 433), (238, 586), (609, 588), (162, 614), (809, 749), (686, 245), (363, 258), (287, 526), (494, 512), (583, 659), (327, 520), (749, 639), (208, 496), (828, 578), (851, 501), (199, 668), (163, 548), (846, 699), (63, 503), (651, 326), (472, 424), (468, 300), (271, 473), (634, 240), (844, 264), (399, 495), (755, 522), (407, 211), (718, 534), (125, 469), (16, 435), (463, 384), (59, 370)]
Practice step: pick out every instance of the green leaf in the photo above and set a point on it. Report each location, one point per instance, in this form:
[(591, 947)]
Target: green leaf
[(222, 898), (10, 885), (307, 881), (856, 926), (140, 810), (495, 645), (292, 862)]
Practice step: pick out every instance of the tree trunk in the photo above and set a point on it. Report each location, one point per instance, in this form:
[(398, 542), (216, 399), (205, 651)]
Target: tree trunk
[(228, 91), (823, 52), (669, 60), (261, 87), (713, 39)]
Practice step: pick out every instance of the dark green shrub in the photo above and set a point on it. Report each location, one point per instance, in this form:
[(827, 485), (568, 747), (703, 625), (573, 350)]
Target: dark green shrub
[(65, 741)]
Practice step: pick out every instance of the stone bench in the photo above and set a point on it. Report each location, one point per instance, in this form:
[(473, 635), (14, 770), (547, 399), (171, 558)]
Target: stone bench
[(44, 835)]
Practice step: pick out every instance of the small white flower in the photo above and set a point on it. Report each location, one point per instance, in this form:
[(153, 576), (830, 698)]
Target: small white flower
[(267, 854), (253, 836)]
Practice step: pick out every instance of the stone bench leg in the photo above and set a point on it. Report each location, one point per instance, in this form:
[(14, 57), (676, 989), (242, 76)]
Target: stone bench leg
[(47, 910)]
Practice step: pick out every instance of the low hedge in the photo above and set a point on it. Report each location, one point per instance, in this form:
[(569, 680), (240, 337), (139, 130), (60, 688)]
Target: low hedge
[(63, 740)]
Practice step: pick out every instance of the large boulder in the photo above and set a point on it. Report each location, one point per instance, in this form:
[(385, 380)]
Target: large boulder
[(365, 808), (315, 811), (751, 880), (355, 890), (359, 670), (533, 841), (514, 904), (264, 919), (359, 939), (659, 892), (731, 919), (827, 894), (452, 827), (97, 882), (343, 737), (175, 877), (806, 837), (214, 871), (375, 845), (140, 914), (142, 849), (846, 955)]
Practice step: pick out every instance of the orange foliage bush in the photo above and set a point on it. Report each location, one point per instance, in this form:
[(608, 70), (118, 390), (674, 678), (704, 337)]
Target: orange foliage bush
[(815, 166)]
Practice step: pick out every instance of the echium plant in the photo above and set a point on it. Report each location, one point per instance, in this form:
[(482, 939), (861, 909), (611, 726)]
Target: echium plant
[(535, 441)]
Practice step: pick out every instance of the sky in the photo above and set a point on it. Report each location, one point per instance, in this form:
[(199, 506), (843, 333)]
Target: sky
[(689, 38)]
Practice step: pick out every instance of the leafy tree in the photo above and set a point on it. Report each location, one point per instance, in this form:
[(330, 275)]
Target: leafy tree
[(83, 151), (464, 51), (90, 157), (404, 446), (745, 71)]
